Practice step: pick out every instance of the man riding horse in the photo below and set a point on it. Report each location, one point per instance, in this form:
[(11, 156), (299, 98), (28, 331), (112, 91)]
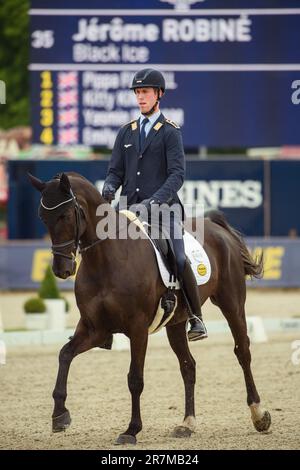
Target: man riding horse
[(148, 161)]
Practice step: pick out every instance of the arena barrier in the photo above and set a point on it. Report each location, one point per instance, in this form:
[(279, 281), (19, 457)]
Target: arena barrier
[(258, 331), (22, 264)]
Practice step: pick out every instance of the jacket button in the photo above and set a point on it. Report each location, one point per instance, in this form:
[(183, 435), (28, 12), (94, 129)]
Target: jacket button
[(138, 173)]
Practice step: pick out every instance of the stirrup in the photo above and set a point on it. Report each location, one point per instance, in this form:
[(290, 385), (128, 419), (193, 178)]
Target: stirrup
[(195, 334), (168, 301)]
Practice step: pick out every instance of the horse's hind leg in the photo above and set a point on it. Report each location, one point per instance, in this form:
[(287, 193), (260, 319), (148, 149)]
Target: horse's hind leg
[(235, 316), (178, 342), (80, 342)]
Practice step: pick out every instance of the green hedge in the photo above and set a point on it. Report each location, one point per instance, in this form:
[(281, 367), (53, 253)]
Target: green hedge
[(48, 288), (35, 305)]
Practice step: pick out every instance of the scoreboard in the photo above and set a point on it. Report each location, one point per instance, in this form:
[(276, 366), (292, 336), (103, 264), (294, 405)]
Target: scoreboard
[(232, 69)]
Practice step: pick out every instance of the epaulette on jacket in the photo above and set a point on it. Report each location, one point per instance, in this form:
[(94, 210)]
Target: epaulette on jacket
[(172, 123), (130, 122)]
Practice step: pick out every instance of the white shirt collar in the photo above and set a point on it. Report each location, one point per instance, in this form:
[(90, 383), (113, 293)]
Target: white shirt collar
[(151, 118)]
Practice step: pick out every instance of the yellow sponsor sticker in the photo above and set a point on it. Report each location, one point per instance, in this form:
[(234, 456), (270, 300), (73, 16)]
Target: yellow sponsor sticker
[(201, 269)]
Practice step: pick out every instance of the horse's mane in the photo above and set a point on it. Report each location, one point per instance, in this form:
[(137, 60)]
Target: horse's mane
[(53, 195), (73, 174), (70, 173)]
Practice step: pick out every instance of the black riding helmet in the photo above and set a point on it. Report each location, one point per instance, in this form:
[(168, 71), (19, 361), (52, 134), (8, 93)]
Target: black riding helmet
[(148, 78)]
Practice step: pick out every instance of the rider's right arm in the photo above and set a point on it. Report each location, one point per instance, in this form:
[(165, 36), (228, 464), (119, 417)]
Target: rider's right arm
[(115, 173)]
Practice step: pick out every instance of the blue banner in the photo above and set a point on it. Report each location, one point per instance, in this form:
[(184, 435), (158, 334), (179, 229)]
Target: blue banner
[(235, 187), (258, 198), (232, 69), (285, 197), (281, 261), (22, 265)]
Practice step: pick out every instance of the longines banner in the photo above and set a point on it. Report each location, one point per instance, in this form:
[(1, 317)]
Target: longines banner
[(232, 68), (259, 198), (235, 187), (22, 265)]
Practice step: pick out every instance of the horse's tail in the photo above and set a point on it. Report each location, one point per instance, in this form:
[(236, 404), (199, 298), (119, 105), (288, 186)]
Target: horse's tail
[(252, 267)]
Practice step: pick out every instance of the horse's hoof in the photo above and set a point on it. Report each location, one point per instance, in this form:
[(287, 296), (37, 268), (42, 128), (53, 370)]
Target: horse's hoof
[(62, 422), (264, 423), (125, 439), (181, 431)]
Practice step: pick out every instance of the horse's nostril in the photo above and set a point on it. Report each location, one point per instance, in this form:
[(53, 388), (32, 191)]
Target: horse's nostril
[(68, 273)]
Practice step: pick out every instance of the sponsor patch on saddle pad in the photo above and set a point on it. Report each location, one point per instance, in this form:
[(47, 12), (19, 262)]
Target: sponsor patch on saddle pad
[(193, 249)]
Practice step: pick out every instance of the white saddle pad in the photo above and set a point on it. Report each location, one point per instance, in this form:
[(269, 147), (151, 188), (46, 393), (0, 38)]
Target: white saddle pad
[(197, 256), (194, 251)]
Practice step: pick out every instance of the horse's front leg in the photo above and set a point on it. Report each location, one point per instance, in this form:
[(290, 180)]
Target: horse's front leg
[(138, 345), (82, 341)]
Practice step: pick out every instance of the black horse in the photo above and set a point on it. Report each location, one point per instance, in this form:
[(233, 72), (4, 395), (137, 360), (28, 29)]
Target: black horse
[(118, 288)]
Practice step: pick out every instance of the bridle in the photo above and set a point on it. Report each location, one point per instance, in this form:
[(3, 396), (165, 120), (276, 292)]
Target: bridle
[(75, 241)]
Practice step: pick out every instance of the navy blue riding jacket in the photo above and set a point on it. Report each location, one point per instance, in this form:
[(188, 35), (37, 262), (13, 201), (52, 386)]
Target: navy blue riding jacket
[(156, 171)]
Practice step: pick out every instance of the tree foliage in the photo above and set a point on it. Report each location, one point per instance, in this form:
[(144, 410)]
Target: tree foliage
[(14, 59)]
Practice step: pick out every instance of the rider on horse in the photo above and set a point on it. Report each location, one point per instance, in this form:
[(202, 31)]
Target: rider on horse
[(148, 162)]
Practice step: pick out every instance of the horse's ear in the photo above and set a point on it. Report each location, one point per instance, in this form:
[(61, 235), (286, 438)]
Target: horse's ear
[(64, 183), (36, 183)]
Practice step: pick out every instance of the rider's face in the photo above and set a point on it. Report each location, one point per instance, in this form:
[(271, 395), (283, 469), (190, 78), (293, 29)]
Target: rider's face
[(146, 99)]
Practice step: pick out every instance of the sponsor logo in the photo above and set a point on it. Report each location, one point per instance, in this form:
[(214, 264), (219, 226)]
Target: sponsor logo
[(201, 268), (182, 4), (232, 194)]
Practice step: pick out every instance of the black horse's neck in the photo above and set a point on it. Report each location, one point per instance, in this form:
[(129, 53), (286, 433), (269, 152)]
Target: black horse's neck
[(102, 224), (105, 235)]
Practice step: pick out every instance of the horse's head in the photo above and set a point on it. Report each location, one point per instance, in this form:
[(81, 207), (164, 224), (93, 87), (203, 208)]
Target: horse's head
[(65, 219)]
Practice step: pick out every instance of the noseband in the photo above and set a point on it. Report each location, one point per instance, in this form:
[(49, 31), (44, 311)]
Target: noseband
[(75, 241)]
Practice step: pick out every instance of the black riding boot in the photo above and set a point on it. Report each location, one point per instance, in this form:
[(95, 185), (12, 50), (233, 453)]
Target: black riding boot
[(189, 284)]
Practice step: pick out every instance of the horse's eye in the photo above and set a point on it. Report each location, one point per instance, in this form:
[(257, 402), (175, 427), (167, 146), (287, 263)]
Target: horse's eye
[(65, 217)]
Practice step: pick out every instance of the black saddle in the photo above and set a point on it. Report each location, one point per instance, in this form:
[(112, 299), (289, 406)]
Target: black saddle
[(164, 245)]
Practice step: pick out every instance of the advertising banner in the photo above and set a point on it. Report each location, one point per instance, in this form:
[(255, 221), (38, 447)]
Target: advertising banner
[(22, 265), (235, 187)]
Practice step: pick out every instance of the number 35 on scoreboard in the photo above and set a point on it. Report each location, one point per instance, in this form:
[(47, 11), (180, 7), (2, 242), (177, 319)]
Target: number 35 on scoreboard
[(42, 39)]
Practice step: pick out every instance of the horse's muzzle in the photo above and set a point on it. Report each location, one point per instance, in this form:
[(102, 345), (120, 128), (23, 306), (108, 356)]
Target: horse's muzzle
[(64, 269)]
